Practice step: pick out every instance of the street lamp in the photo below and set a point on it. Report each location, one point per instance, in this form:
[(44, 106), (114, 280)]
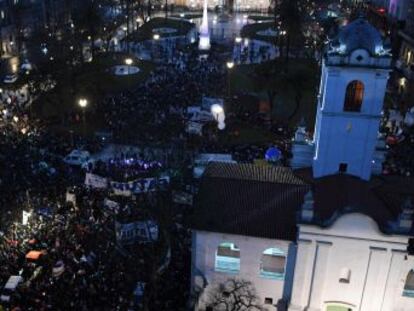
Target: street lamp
[(230, 66), (129, 62), (216, 110), (218, 113), (83, 103), (156, 38)]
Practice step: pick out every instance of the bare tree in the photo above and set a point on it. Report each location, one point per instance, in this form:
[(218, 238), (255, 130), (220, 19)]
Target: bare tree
[(234, 295)]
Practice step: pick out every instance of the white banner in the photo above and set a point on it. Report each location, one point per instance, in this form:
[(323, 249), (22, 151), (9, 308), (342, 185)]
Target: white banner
[(95, 181), (139, 231), (111, 205)]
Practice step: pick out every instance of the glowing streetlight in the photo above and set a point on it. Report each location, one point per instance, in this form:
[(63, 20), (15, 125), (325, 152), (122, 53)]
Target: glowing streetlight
[(83, 103), (216, 109), (129, 62), (230, 66), (218, 113), (238, 40), (156, 37)]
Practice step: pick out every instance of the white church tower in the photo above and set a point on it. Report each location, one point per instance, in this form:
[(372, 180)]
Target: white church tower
[(355, 71)]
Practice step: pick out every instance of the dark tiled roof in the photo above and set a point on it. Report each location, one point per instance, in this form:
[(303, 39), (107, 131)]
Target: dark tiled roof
[(380, 198), (250, 200)]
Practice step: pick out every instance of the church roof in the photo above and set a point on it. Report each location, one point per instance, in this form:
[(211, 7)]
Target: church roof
[(251, 200), (380, 198), (359, 34), (264, 201)]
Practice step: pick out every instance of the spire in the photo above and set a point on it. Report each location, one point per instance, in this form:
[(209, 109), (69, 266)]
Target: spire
[(204, 43)]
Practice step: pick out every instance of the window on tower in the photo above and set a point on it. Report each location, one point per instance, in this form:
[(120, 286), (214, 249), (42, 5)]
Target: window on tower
[(354, 96)]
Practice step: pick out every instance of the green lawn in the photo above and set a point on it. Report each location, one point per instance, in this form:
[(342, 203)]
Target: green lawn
[(243, 80), (145, 32), (241, 134), (92, 81)]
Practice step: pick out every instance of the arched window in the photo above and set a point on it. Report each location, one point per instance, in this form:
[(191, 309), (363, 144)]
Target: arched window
[(409, 285), (227, 258), (272, 265), (354, 96)]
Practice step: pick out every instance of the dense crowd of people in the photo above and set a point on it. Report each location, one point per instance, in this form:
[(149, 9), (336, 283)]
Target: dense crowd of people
[(81, 266), (125, 168), (154, 111), (399, 139)]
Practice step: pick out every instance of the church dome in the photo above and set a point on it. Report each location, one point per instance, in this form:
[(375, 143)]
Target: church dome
[(359, 34)]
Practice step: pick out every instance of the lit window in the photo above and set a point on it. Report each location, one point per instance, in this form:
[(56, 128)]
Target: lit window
[(354, 96), (272, 265), (409, 285), (227, 258)]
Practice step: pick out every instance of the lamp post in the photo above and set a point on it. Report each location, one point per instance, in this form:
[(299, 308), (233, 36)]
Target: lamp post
[(218, 114), (83, 103), (156, 38), (230, 66), (129, 62)]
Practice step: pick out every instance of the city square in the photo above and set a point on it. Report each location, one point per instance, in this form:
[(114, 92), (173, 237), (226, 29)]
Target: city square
[(207, 155)]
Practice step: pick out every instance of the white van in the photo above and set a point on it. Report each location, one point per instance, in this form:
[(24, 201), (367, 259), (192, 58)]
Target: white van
[(10, 287), (77, 157)]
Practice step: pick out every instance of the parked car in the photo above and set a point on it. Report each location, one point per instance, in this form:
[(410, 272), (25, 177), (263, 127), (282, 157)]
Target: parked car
[(77, 157)]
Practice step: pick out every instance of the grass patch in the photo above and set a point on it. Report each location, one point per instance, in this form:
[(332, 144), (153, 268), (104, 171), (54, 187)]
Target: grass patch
[(145, 32), (245, 134), (243, 79), (92, 81)]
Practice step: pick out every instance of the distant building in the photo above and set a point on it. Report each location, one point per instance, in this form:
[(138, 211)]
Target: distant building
[(238, 5), (405, 62), (325, 235)]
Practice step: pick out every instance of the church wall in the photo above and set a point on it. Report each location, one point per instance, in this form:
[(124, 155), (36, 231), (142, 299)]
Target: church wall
[(204, 249), (377, 266)]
